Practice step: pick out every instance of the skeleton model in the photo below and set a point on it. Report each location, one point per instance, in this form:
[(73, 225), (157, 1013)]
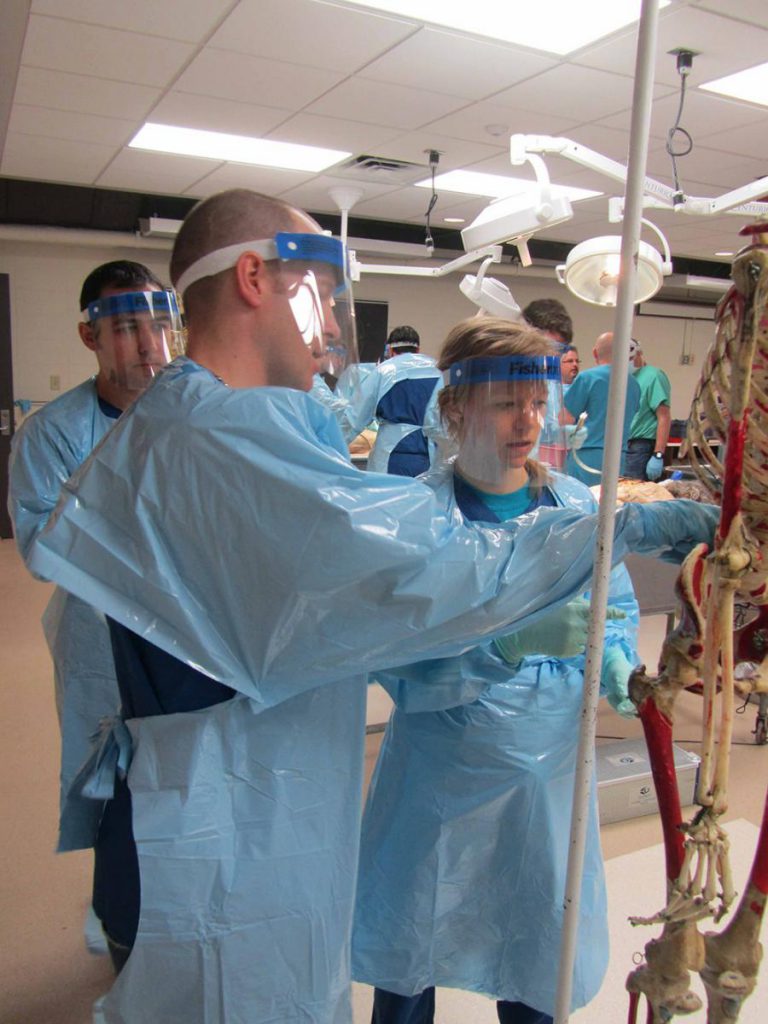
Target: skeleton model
[(704, 653)]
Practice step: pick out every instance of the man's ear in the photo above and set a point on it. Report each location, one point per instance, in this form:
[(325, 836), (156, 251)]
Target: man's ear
[(250, 277), (85, 331)]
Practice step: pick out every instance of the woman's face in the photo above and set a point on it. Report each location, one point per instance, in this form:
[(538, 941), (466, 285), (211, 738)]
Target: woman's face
[(500, 426)]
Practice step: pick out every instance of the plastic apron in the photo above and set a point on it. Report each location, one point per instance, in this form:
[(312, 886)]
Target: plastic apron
[(47, 449), (465, 835), (290, 572), (246, 871)]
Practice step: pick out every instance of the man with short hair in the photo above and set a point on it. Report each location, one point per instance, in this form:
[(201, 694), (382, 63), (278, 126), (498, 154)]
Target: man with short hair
[(649, 432), (551, 318), (128, 321), (569, 366), (253, 577), (588, 394)]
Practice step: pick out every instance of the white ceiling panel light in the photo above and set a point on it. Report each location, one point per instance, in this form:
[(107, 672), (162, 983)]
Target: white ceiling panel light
[(496, 186), (554, 26), (750, 85), (243, 149)]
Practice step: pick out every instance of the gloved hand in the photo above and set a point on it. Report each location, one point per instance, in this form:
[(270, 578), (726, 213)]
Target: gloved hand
[(614, 679), (575, 435), (560, 634), (654, 467)]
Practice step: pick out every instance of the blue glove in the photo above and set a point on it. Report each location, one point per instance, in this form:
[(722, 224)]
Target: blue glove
[(575, 436), (559, 634), (614, 679), (654, 467)]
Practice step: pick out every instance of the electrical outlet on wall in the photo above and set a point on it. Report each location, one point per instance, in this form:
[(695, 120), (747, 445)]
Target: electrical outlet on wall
[(685, 359), (54, 382)]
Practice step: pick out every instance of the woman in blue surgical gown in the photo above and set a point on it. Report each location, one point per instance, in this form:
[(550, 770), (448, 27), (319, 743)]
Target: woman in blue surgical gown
[(465, 834)]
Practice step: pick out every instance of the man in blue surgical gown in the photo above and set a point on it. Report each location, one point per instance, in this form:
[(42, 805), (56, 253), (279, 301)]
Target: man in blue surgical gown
[(253, 577), (397, 393), (49, 447)]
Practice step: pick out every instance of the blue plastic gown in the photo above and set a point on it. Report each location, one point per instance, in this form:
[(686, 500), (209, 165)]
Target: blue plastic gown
[(48, 447), (396, 393), (466, 831), (229, 528)]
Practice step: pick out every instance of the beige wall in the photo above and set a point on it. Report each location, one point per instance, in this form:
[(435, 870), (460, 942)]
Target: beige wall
[(46, 279)]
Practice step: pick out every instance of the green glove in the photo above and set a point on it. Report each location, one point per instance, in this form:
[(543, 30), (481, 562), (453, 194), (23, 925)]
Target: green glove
[(559, 634), (615, 681)]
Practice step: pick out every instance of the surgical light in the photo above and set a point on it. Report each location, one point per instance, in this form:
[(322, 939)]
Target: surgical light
[(591, 271)]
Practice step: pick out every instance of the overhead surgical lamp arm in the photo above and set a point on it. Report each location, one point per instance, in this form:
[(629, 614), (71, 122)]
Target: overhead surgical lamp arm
[(493, 252), (655, 194)]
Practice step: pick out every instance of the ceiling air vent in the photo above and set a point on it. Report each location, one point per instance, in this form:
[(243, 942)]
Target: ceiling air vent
[(381, 169)]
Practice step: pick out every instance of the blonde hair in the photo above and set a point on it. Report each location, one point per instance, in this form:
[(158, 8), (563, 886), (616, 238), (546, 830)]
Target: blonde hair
[(490, 336)]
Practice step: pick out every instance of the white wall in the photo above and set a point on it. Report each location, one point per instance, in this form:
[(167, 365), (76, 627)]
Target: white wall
[(46, 279)]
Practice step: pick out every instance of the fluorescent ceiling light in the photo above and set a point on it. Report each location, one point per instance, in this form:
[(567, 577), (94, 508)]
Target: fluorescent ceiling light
[(496, 186), (454, 220), (750, 85), (724, 252), (241, 149), (554, 26)]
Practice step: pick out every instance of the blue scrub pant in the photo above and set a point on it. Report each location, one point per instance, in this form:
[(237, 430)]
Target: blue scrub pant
[(389, 1008)]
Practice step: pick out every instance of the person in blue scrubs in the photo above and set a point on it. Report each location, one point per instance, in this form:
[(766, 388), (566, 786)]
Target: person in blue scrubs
[(465, 833), (131, 334), (588, 394), (253, 578)]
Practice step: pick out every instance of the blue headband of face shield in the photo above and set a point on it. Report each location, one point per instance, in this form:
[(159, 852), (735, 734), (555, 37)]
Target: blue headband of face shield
[(154, 302), (484, 369), (306, 247)]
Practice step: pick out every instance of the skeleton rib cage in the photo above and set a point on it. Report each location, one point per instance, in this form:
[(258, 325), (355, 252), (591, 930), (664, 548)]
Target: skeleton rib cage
[(704, 653)]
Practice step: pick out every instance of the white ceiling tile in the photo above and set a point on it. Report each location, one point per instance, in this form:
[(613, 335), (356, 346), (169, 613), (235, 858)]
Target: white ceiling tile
[(270, 180), (402, 204), (188, 20), (104, 52), (60, 90), (315, 194), (720, 170), (473, 123), (703, 114), (305, 32), (31, 156), (154, 172), (210, 113), (351, 136), (359, 99), (744, 141), (248, 79), (590, 93), (455, 64), (63, 124), (722, 44), (454, 153), (754, 11)]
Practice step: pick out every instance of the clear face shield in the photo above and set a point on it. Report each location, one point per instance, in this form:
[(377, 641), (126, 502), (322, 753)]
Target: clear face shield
[(498, 408), (135, 334), (313, 273)]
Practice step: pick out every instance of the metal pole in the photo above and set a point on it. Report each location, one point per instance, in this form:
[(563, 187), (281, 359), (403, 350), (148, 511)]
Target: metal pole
[(638, 151)]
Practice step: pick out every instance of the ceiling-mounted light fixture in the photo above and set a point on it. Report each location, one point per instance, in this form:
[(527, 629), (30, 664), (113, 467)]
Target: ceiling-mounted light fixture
[(490, 295), (592, 268), (591, 271)]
